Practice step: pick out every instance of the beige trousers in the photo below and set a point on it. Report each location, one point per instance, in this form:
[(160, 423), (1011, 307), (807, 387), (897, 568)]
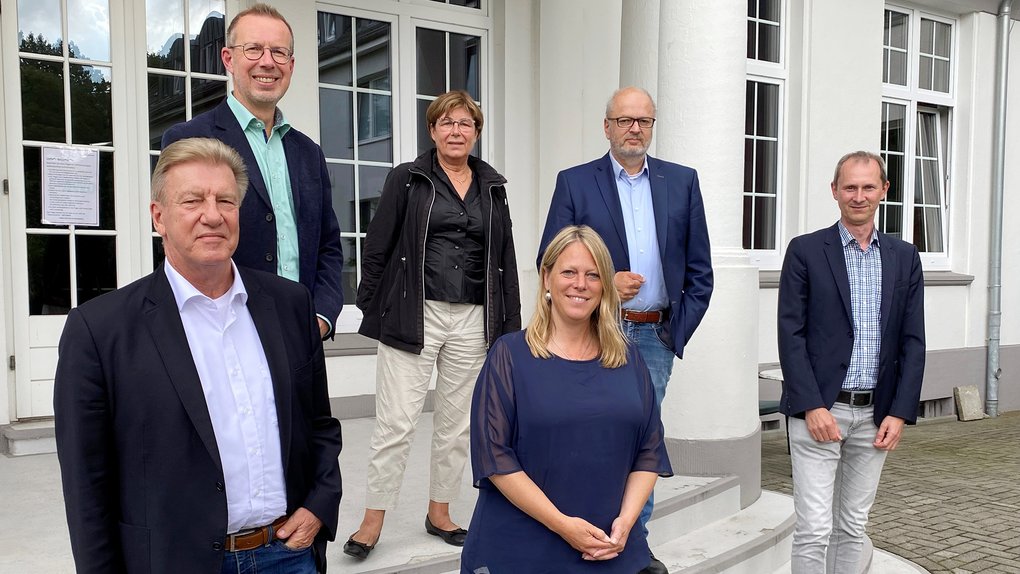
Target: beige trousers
[(455, 344)]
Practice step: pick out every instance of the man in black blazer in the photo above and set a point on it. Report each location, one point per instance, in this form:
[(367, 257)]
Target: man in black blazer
[(851, 345), (192, 416), (651, 216), (287, 222)]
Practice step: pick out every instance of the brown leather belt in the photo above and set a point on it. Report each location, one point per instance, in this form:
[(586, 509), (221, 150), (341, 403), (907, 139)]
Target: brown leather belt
[(642, 316), (253, 538)]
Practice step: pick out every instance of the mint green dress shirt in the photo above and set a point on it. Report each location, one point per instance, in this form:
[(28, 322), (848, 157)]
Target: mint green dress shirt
[(272, 162)]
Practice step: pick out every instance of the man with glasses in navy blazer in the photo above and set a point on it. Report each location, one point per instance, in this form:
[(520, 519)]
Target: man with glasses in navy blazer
[(851, 346), (287, 222), (651, 216)]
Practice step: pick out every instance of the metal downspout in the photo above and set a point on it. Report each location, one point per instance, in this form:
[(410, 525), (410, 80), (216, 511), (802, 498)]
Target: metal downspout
[(992, 370)]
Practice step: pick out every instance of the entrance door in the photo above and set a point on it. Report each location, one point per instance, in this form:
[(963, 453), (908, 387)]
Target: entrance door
[(62, 85)]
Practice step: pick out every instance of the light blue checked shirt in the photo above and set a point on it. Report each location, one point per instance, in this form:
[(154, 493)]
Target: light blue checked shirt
[(864, 270)]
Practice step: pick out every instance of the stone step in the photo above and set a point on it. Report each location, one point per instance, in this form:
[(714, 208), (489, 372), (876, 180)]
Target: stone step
[(683, 504), (754, 540), (26, 438)]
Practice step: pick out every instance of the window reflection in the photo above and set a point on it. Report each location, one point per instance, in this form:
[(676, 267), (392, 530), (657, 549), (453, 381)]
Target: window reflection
[(88, 29), (91, 111), (431, 58), (166, 105), (207, 17), (42, 101), (335, 124), (39, 27), (49, 274), (206, 94), (95, 266), (164, 31)]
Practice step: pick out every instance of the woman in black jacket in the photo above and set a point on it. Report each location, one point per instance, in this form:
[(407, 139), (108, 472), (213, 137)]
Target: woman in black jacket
[(438, 287)]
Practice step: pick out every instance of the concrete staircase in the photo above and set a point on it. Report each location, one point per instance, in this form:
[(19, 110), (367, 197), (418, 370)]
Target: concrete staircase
[(698, 526)]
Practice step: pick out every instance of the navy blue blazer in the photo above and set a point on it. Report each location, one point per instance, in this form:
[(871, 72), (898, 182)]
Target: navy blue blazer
[(586, 195), (816, 333), (141, 471), (319, 248)]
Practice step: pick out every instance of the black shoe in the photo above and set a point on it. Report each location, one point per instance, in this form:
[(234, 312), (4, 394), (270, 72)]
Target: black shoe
[(654, 567), (451, 537), (359, 550)]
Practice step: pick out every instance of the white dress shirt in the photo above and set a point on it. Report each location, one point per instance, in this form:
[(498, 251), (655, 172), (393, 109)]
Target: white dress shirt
[(238, 390)]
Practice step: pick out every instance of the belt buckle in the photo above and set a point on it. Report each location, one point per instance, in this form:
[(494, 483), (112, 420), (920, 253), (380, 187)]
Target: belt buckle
[(232, 541), (860, 398)]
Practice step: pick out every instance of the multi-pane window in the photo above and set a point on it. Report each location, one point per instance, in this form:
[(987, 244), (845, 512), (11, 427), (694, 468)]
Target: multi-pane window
[(378, 73), (763, 124), (356, 124), (917, 111), (67, 77), (761, 165), (186, 76), (445, 61)]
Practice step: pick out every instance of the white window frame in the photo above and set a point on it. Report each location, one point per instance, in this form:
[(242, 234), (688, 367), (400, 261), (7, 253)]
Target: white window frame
[(916, 99), (776, 73), (406, 16)]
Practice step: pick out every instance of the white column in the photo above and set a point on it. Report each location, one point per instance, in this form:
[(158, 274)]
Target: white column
[(639, 48), (710, 409)]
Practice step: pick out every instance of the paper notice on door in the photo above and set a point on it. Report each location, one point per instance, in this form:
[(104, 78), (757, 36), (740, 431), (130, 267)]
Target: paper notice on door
[(70, 186)]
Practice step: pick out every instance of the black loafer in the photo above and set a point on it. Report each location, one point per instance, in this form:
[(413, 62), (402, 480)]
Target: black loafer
[(359, 550), (654, 567), (451, 537)]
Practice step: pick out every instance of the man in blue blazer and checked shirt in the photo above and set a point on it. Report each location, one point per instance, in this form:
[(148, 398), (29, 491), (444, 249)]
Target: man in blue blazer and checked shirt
[(851, 345), (651, 216)]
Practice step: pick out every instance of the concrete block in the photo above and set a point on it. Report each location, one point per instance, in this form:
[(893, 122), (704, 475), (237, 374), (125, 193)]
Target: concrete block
[(968, 403)]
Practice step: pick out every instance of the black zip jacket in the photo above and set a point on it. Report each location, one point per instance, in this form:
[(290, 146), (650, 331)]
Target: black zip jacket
[(392, 290)]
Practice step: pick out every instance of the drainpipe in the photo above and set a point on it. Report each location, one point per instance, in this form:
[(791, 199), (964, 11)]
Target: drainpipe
[(992, 370)]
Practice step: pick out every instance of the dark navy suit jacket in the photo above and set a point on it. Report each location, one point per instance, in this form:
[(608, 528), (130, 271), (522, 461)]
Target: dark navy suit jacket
[(143, 482), (319, 248), (587, 195), (816, 333)]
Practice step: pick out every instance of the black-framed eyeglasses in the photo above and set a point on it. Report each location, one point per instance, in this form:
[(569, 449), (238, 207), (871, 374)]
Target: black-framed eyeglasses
[(254, 51), (625, 122)]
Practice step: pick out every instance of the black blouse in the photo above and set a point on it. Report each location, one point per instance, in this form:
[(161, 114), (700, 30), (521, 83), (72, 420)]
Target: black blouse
[(455, 245)]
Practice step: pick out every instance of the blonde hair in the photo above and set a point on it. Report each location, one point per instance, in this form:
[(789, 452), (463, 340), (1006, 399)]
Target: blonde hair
[(201, 150), (605, 320)]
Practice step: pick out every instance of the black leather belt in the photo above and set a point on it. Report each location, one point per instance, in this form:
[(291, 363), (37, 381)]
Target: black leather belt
[(856, 398)]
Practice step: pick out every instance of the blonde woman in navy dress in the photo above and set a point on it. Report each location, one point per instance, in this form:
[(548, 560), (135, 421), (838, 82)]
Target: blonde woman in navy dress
[(566, 440)]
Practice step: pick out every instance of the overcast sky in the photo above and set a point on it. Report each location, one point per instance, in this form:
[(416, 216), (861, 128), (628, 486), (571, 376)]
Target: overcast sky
[(89, 22)]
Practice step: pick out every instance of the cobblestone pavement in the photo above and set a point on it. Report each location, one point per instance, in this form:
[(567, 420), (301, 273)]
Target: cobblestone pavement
[(949, 498)]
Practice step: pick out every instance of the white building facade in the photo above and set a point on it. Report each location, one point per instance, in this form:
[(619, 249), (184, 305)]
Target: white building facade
[(761, 96)]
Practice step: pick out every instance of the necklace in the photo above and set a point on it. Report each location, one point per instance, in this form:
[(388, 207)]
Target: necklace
[(450, 173), (582, 356)]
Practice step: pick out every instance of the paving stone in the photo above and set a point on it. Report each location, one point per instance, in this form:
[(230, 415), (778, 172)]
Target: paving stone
[(949, 499)]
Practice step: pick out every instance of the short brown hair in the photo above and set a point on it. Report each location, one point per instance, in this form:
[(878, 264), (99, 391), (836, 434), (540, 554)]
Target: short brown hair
[(259, 9), (450, 101), (201, 150), (864, 156)]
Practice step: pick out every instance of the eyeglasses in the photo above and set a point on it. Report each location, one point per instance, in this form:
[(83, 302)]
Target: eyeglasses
[(447, 124), (254, 52), (625, 123)]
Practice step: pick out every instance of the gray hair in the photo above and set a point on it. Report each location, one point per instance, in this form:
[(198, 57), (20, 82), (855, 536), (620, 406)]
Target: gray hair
[(203, 150), (864, 156), (609, 104)]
